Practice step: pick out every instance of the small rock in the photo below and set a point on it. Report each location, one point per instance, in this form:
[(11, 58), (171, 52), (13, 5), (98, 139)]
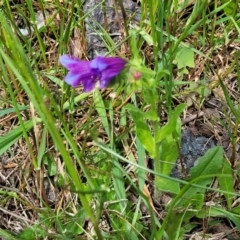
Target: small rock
[(192, 148)]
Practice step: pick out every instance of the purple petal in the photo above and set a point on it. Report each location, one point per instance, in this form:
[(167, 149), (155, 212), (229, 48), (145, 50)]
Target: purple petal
[(73, 79), (88, 72), (74, 64), (102, 63), (88, 85), (99, 63), (70, 62), (104, 82), (108, 67), (76, 79), (106, 77), (80, 72)]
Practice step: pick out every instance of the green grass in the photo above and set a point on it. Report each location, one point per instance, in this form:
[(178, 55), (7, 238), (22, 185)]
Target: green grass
[(78, 163)]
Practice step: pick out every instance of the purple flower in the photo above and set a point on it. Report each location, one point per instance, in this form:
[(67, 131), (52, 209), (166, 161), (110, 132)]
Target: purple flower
[(87, 73)]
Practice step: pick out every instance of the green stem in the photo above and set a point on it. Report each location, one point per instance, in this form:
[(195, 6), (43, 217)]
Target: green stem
[(157, 162)]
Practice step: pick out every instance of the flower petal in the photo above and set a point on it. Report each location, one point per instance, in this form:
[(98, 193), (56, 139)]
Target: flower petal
[(102, 63), (108, 68), (109, 74), (88, 72), (89, 85), (73, 79), (74, 64), (104, 82), (106, 77), (70, 62)]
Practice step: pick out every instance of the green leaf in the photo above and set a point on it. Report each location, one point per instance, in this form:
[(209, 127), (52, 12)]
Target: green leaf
[(171, 125), (167, 185), (42, 147), (201, 174), (185, 58), (55, 79), (33, 232), (168, 156), (151, 96), (7, 141), (230, 8), (226, 182), (193, 205), (150, 115), (7, 235), (141, 161), (180, 216), (132, 108), (209, 164), (144, 134), (142, 130), (51, 164), (146, 37), (174, 224), (12, 110), (76, 100), (74, 224), (209, 212), (100, 107), (134, 48), (169, 150), (236, 210), (233, 217)]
